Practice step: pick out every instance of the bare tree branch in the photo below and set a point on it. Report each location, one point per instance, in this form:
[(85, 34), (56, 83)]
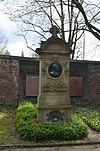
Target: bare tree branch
[(95, 31), (70, 17)]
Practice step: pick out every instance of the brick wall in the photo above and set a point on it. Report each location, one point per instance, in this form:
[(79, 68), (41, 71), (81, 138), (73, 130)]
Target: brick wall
[(14, 70), (94, 83), (89, 71), (27, 67), (9, 75), (80, 69)]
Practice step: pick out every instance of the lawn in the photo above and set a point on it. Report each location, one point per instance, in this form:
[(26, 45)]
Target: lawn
[(8, 133)]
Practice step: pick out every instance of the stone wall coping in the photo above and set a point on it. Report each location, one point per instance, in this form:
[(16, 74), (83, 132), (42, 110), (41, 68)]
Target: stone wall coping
[(85, 61), (9, 57), (17, 57), (37, 59)]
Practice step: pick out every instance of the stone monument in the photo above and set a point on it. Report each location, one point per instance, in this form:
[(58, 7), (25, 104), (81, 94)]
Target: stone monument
[(53, 100)]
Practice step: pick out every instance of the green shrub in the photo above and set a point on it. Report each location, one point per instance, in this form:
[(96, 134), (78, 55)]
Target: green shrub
[(26, 113), (76, 129), (92, 118), (30, 99), (90, 115)]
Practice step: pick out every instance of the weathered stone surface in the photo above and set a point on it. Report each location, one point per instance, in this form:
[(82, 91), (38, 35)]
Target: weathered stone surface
[(9, 76), (54, 90), (94, 83)]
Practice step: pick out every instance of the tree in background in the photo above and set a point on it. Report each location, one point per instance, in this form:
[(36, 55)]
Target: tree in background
[(3, 43), (72, 18)]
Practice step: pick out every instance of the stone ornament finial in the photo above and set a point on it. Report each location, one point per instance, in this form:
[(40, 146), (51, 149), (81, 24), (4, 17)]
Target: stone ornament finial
[(54, 31)]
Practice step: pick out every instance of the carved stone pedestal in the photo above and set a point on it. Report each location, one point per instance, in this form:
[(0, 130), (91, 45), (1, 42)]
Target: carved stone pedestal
[(53, 100)]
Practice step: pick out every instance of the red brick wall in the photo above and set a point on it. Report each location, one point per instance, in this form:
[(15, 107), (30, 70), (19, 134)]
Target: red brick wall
[(14, 70), (94, 83), (9, 75)]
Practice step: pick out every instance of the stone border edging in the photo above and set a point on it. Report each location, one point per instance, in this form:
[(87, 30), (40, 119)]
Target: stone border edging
[(58, 144)]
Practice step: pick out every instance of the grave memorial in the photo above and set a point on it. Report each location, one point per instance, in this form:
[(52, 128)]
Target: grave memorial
[(53, 100)]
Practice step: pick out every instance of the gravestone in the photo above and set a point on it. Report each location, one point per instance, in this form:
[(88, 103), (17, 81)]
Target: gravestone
[(53, 100)]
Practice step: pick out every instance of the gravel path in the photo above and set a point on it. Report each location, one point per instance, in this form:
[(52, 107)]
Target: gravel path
[(93, 135)]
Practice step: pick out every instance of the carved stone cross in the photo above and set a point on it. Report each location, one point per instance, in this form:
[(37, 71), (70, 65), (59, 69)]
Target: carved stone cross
[(54, 31)]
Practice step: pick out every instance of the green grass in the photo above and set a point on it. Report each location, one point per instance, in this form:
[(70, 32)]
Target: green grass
[(8, 134), (6, 127)]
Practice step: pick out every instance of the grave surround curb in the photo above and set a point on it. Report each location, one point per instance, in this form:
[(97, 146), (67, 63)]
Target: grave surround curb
[(52, 144)]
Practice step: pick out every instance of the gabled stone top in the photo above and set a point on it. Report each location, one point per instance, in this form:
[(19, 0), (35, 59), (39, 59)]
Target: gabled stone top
[(54, 43)]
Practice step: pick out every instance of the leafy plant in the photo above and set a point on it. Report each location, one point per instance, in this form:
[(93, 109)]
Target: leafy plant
[(90, 115), (27, 113)]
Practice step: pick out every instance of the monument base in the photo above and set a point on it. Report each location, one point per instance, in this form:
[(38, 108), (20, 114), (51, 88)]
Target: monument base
[(54, 114)]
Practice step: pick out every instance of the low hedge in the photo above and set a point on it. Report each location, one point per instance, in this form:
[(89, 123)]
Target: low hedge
[(27, 113)]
